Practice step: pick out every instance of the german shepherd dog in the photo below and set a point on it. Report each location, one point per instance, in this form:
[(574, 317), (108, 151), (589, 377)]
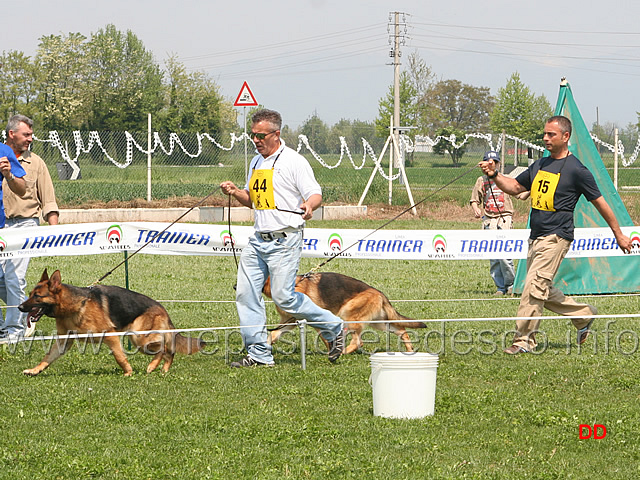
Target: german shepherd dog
[(105, 309), (350, 299)]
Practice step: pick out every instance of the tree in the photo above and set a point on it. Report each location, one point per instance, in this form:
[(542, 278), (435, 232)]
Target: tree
[(317, 132), (604, 132), (408, 100), (62, 88), (18, 84), (124, 81), (193, 103), (414, 83), (353, 132), (629, 134), (451, 103), (444, 146), (519, 112)]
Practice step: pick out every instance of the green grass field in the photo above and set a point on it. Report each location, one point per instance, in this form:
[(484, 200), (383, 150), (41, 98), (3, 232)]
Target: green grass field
[(496, 417)]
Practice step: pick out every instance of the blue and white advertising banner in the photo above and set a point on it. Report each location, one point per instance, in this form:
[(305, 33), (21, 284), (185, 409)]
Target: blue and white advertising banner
[(207, 239)]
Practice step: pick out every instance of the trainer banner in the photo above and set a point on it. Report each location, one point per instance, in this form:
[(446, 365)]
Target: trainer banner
[(207, 239)]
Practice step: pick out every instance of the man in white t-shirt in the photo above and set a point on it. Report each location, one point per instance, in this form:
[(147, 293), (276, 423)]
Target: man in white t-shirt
[(283, 191)]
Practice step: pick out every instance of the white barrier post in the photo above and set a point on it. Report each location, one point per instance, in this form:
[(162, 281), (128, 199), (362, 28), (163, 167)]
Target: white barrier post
[(149, 158), (303, 343)]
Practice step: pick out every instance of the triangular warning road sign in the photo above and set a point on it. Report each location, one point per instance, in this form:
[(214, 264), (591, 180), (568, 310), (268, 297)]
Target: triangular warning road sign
[(245, 97)]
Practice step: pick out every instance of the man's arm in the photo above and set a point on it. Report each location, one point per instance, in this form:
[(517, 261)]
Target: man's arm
[(17, 185), (603, 207), (477, 195), (45, 192), (506, 184)]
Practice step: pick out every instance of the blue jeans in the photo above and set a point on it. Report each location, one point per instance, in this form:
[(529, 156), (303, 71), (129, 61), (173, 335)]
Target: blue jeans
[(501, 270), (13, 282), (280, 259)]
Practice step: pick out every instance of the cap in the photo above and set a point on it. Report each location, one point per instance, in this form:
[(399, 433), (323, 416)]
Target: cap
[(491, 155)]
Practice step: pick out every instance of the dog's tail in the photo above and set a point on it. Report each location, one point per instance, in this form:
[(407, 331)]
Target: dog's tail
[(395, 317), (188, 345)]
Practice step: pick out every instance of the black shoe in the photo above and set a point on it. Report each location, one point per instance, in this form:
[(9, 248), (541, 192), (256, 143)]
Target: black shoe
[(247, 361), (583, 333), (336, 346)]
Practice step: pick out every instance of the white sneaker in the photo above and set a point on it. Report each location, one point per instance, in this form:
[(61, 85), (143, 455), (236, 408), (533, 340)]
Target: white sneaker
[(11, 337)]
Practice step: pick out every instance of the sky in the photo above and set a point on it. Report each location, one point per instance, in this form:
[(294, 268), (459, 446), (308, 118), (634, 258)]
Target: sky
[(332, 58)]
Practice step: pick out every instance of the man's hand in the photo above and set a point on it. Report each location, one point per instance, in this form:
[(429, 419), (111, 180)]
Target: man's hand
[(16, 184), (230, 188), (5, 167), (476, 210), (488, 168), (308, 211), (624, 243)]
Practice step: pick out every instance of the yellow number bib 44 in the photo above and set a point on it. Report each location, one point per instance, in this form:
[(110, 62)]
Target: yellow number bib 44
[(261, 189), (543, 189)]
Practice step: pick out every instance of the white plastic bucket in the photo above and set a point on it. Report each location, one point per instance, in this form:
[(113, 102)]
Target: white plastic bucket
[(404, 384)]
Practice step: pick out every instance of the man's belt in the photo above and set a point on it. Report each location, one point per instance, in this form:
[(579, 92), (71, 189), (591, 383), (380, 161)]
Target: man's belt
[(270, 236)]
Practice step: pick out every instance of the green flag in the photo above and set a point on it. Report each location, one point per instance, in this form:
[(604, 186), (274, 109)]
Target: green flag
[(598, 274)]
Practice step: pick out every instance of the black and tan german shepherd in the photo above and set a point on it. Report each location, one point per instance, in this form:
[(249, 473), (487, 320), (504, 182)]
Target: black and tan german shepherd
[(350, 299), (105, 309)]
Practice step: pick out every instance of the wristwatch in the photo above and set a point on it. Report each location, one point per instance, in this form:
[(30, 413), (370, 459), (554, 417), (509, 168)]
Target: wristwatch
[(11, 176), (495, 174)]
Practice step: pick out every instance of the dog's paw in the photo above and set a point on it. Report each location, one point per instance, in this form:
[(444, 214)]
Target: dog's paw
[(31, 372)]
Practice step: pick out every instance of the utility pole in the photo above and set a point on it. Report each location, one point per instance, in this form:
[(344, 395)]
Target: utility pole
[(398, 39)]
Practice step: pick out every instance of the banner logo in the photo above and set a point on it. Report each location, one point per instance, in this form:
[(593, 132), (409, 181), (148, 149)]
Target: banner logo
[(3, 244), (335, 242), (439, 244), (114, 234), (227, 239), (635, 239)]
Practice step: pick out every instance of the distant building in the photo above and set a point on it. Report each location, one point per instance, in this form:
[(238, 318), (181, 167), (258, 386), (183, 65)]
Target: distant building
[(423, 143)]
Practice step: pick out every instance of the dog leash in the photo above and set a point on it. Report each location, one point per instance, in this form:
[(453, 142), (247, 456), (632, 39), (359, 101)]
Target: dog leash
[(151, 240), (315, 269)]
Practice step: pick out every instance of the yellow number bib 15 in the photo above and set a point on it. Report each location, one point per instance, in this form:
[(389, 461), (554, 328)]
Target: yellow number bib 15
[(543, 189), (261, 189)]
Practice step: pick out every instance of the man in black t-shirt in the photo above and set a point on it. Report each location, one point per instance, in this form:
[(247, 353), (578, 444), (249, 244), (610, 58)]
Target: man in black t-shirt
[(556, 183)]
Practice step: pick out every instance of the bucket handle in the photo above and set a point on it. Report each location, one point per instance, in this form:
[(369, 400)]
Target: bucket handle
[(374, 370)]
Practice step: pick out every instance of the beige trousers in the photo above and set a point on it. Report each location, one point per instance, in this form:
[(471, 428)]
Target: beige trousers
[(543, 260)]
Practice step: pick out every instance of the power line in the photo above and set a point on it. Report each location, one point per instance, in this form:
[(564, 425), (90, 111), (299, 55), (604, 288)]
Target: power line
[(283, 67), (536, 58), (529, 42), (531, 30), (287, 44), (319, 49)]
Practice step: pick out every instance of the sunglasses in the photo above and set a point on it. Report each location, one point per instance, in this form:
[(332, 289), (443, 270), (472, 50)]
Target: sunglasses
[(260, 136)]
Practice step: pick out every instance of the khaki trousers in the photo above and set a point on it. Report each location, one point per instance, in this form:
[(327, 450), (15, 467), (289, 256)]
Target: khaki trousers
[(543, 260)]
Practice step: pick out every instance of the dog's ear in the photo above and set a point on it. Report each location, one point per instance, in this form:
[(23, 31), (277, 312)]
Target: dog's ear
[(45, 276), (55, 281)]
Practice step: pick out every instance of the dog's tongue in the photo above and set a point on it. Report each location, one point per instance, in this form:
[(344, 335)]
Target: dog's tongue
[(33, 316)]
